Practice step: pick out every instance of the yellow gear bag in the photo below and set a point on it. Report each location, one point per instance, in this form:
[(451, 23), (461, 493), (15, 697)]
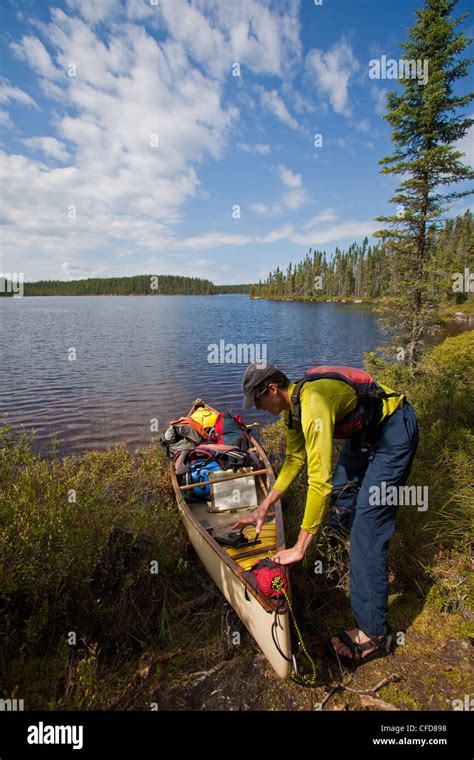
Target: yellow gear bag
[(205, 417)]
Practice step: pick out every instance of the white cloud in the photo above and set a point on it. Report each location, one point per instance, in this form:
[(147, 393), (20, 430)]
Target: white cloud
[(72, 271), (9, 93), (48, 145), (324, 217), (265, 39), (265, 210), (261, 149), (296, 195), (74, 268), (285, 232), (363, 125), (123, 187), (466, 145), (337, 232), (339, 142), (288, 177), (137, 10), (93, 11), (32, 50), (214, 240), (129, 87), (332, 71), (273, 103), (5, 119), (303, 104), (379, 96), (293, 196)]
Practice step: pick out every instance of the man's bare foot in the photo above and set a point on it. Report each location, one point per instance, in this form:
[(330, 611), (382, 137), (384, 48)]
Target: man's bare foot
[(358, 637)]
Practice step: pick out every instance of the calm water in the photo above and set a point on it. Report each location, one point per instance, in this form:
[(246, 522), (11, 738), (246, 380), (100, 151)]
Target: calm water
[(140, 358)]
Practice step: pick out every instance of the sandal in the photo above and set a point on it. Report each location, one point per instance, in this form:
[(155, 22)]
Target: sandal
[(382, 642)]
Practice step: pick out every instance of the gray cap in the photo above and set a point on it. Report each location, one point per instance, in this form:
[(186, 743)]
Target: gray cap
[(254, 375)]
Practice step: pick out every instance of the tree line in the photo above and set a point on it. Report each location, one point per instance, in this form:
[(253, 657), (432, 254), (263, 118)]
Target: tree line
[(370, 271), (122, 286)]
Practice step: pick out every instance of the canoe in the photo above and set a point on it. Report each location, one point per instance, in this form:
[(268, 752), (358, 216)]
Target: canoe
[(266, 619)]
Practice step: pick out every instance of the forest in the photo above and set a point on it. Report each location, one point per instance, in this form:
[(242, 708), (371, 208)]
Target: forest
[(370, 271), (139, 285)]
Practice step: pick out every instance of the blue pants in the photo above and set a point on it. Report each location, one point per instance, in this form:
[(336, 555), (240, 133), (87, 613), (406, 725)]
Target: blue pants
[(388, 457)]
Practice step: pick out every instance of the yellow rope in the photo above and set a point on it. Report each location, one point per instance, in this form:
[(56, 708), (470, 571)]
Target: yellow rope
[(278, 585)]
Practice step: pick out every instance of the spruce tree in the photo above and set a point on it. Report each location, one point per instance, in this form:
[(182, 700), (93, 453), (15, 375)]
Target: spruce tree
[(426, 122)]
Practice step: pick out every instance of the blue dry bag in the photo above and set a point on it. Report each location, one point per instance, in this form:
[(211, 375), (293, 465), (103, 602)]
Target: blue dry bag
[(199, 472)]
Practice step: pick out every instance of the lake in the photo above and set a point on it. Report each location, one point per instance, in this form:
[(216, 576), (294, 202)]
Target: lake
[(96, 370)]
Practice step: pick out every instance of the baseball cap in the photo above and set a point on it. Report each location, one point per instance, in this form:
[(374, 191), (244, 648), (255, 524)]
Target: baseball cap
[(254, 376)]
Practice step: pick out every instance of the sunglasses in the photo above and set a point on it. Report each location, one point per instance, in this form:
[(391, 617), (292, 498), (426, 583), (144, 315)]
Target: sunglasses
[(257, 395)]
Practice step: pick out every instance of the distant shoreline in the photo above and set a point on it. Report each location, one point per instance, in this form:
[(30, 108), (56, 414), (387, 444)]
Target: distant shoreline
[(461, 312), (107, 295), (13, 284)]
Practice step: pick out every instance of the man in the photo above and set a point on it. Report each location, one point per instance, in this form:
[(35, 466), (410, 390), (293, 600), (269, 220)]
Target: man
[(383, 453)]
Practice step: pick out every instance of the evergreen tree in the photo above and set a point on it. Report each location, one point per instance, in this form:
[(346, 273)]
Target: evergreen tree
[(369, 271), (426, 121)]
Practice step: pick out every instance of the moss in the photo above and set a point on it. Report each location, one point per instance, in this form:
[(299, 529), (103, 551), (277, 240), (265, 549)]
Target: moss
[(466, 307), (394, 694)]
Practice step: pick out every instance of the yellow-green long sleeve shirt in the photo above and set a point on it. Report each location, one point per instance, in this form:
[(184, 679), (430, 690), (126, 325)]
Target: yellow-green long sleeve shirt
[(322, 402)]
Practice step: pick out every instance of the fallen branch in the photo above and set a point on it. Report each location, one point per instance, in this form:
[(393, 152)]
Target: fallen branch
[(367, 701), (390, 679), (365, 692), (201, 675)]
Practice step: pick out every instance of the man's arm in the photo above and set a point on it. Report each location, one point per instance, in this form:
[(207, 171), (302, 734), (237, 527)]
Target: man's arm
[(294, 461), (318, 428), (294, 458), (318, 420)]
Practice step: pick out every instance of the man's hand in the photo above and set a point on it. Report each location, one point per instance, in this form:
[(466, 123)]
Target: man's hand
[(257, 518), (289, 556), (297, 552)]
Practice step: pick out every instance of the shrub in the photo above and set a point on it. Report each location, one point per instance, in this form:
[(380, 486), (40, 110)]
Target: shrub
[(63, 568)]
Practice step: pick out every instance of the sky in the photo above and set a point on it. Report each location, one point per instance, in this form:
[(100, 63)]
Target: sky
[(206, 138)]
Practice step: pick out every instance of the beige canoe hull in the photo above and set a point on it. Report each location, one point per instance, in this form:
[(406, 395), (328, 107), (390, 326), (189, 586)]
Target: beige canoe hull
[(256, 619)]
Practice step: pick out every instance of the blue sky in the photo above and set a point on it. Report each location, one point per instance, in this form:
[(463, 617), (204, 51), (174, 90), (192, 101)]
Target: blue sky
[(129, 145)]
